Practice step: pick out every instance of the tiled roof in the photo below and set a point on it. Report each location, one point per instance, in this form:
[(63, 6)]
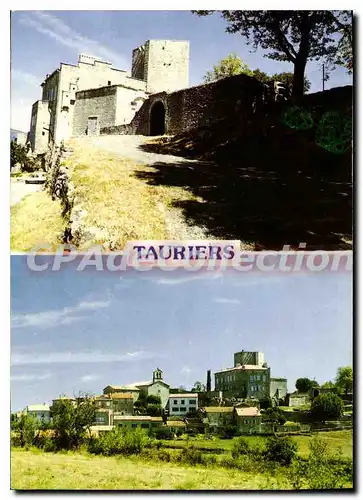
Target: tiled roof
[(191, 395), (219, 409), (121, 395), (122, 387), (248, 412), (175, 423)]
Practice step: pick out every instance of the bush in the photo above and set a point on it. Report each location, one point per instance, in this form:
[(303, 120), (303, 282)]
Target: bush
[(280, 449), (162, 433), (326, 407), (191, 456), (228, 431), (321, 470), (240, 447), (119, 441)]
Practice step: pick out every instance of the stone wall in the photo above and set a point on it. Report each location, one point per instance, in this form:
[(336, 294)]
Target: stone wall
[(100, 102)]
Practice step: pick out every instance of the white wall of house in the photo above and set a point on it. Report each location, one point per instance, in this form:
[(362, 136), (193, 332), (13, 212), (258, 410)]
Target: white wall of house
[(181, 404)]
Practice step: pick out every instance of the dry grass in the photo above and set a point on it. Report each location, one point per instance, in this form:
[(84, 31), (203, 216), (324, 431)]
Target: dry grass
[(119, 205), (84, 472), (36, 220)]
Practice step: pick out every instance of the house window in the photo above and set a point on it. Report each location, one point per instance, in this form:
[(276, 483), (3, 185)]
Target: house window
[(133, 426), (145, 426), (192, 402), (109, 82), (182, 402), (175, 408), (72, 101), (43, 133), (183, 409), (175, 401)]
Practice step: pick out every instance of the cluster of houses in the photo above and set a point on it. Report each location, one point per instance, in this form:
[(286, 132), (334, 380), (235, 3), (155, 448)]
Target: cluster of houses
[(234, 401)]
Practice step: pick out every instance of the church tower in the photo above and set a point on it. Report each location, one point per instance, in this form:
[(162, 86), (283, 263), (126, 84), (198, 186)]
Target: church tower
[(157, 375)]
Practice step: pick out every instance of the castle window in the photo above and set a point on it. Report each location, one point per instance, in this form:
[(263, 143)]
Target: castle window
[(72, 101)]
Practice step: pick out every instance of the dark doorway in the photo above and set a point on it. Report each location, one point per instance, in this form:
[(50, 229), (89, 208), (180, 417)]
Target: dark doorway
[(157, 119)]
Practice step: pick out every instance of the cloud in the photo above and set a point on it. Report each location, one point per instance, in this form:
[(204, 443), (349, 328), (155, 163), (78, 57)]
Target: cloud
[(186, 370), (53, 27), (187, 279), (77, 357), (89, 378), (64, 316), (27, 377), (224, 300), (26, 78)]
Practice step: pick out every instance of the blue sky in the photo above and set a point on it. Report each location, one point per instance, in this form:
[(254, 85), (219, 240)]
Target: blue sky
[(80, 331), (43, 39)]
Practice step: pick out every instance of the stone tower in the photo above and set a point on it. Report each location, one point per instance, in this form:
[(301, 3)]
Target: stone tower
[(162, 64)]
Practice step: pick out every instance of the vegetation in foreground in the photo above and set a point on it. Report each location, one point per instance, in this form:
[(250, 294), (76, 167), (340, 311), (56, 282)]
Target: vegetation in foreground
[(269, 463), (36, 220)]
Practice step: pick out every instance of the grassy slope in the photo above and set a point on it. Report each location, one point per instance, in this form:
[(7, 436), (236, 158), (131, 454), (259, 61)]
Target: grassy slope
[(37, 470), (75, 471), (35, 220), (116, 201)]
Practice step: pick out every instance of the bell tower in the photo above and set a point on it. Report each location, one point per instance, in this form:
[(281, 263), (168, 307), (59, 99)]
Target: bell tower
[(157, 375)]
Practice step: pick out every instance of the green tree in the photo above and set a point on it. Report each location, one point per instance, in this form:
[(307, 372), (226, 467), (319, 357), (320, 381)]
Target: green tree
[(72, 421), (328, 385), (344, 57), (229, 66), (305, 384), (280, 449), (25, 426), (294, 36), (344, 379), (326, 407), (273, 416), (232, 65)]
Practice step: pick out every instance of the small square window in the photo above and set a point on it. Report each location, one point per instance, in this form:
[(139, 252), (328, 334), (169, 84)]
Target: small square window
[(175, 401), (182, 402), (72, 101)]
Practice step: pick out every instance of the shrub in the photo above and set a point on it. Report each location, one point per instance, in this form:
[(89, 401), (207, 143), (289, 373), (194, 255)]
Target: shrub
[(228, 431), (191, 456), (119, 441), (326, 407), (162, 433), (280, 449), (240, 447), (321, 470)]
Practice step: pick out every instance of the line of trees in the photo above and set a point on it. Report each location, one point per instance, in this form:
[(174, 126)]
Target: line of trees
[(295, 36)]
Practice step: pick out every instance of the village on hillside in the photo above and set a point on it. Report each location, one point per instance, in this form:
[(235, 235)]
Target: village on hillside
[(246, 400)]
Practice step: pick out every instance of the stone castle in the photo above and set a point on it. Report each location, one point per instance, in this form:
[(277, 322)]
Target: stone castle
[(84, 98)]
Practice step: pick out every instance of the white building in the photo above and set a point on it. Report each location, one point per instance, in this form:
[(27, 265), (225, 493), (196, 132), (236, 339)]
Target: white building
[(40, 412), (181, 404)]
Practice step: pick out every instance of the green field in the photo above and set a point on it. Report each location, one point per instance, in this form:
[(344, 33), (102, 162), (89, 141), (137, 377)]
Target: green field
[(75, 470), (337, 440)]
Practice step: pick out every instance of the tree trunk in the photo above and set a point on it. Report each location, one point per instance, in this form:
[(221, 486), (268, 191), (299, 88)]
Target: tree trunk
[(298, 79)]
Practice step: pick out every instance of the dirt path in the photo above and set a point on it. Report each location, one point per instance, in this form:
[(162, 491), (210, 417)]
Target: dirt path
[(127, 146), (18, 190)]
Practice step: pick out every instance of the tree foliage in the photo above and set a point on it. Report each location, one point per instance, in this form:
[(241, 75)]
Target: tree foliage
[(280, 449), (294, 36), (233, 65), (305, 384), (326, 407), (72, 421), (344, 379)]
